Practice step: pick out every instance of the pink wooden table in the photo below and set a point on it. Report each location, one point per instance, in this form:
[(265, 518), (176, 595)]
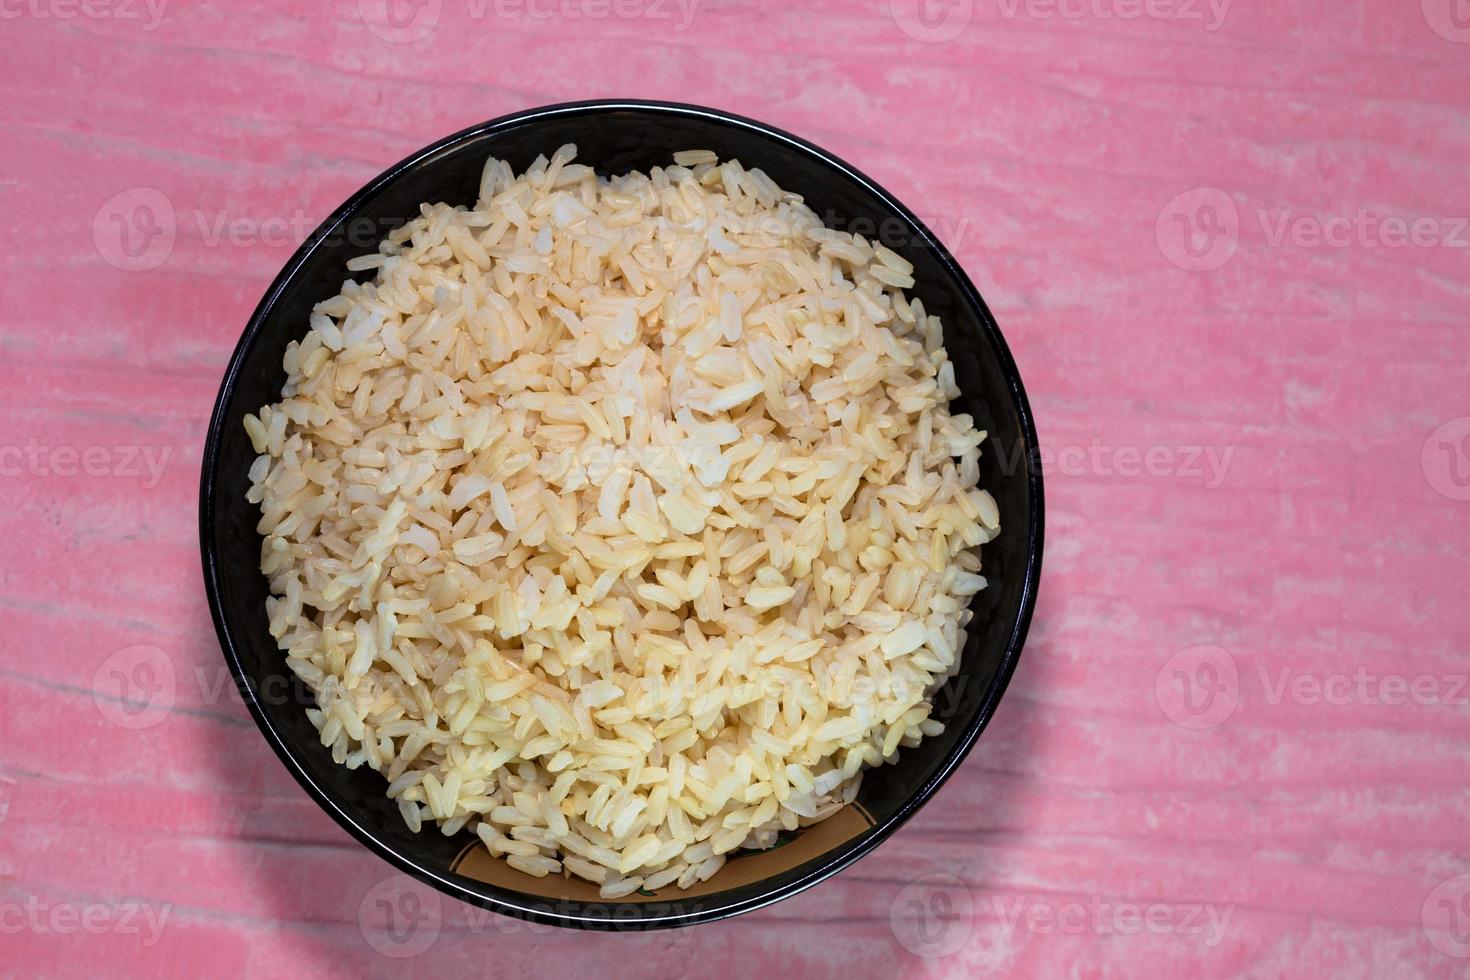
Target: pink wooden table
[(1228, 244)]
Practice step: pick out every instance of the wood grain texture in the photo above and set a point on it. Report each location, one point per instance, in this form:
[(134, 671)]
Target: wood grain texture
[(1238, 743)]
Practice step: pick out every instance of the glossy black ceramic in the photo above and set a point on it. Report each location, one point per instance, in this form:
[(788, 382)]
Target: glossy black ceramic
[(616, 137)]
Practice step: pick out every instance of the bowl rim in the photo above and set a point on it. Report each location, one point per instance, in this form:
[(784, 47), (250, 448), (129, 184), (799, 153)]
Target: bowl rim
[(571, 913)]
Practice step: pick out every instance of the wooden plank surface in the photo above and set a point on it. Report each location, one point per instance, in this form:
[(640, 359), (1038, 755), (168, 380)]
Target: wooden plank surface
[(1239, 740)]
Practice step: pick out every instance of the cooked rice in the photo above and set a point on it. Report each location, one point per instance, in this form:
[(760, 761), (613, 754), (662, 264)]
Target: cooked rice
[(623, 521)]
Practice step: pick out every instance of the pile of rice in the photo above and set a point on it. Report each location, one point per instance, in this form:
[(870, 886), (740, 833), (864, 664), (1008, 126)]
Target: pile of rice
[(621, 520)]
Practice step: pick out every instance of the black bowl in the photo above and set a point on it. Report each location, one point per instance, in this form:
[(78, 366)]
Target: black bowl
[(616, 137)]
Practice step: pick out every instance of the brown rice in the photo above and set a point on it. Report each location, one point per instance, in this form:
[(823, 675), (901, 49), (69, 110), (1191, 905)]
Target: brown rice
[(623, 521)]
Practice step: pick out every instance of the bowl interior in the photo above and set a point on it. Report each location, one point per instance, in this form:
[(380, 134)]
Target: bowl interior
[(616, 138)]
